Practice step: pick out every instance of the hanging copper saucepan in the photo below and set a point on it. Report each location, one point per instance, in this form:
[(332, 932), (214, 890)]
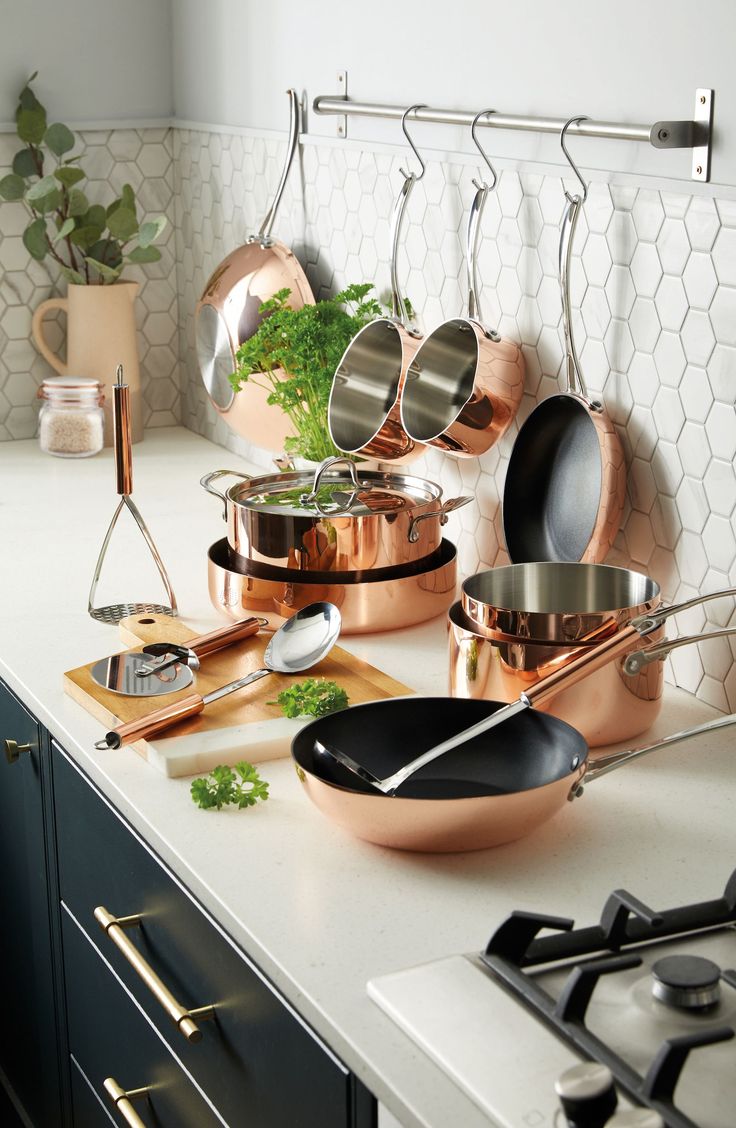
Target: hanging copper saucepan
[(228, 313), (465, 383), (566, 479), (333, 520), (488, 791), (555, 601), (363, 412), (621, 699)]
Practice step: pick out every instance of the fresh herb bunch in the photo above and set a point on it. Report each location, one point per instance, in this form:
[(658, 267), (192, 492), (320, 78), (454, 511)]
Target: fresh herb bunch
[(297, 351), (223, 786), (315, 697), (88, 242)]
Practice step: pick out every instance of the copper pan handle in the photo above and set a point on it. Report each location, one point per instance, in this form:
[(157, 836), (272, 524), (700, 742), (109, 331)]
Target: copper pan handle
[(153, 723), (122, 435), (586, 663)]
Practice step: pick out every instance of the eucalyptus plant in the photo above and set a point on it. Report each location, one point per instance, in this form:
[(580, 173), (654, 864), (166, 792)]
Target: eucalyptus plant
[(88, 242)]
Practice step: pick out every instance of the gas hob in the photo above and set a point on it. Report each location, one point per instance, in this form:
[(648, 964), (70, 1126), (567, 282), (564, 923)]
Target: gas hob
[(650, 994)]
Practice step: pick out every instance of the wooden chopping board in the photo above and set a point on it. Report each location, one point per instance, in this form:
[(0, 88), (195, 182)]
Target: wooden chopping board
[(242, 726)]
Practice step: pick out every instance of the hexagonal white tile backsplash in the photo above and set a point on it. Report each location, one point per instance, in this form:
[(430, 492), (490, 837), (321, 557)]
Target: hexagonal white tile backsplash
[(654, 296), (142, 158)]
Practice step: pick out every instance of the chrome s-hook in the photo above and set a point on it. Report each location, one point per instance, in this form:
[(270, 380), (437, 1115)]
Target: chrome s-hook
[(404, 173), (480, 185), (570, 161)]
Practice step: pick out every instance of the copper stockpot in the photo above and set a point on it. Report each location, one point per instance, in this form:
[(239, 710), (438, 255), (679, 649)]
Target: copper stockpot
[(228, 313), (333, 520), (377, 600), (494, 789), (464, 384), (555, 601)]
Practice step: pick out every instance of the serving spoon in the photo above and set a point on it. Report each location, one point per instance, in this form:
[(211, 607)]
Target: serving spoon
[(303, 641)]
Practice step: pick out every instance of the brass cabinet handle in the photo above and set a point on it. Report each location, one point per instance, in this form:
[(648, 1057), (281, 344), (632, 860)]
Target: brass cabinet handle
[(122, 1098), (182, 1017), (13, 750)]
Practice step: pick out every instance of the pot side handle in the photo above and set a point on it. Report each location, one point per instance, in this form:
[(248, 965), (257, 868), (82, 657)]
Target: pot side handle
[(207, 480), (445, 508), (37, 330)]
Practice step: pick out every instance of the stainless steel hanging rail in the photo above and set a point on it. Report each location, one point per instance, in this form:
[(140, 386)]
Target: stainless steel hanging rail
[(694, 134)]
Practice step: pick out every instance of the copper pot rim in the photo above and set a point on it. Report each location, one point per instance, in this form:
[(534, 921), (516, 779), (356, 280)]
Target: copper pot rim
[(460, 621), (512, 617), (244, 566)]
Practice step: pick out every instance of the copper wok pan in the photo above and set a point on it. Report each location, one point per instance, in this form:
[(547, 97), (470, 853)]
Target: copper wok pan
[(493, 789), (228, 313)]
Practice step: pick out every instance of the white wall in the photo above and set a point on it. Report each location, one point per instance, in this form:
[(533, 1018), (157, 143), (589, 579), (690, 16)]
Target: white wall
[(627, 60), (98, 60)]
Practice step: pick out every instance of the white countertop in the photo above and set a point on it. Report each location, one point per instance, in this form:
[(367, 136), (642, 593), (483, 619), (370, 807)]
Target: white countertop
[(318, 911)]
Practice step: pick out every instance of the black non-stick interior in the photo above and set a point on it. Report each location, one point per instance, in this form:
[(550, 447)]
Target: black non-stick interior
[(553, 483), (527, 751)]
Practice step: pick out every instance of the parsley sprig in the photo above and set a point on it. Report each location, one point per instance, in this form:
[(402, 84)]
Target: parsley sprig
[(315, 697), (241, 786)]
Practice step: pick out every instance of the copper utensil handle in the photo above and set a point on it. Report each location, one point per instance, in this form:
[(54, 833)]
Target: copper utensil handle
[(224, 636), (122, 434), (153, 723), (586, 663)]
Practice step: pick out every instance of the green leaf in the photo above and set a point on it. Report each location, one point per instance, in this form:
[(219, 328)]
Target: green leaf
[(12, 187), (314, 697), (59, 139), (95, 217), (24, 163), (34, 239), (68, 176), (66, 229), (122, 224), (43, 187), (31, 125), (143, 254), (113, 207), (223, 786), (78, 202), (73, 275), (27, 99), (127, 197), (107, 251), (109, 273), (85, 237), (150, 230)]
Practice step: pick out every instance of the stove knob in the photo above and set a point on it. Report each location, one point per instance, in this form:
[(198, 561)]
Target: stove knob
[(587, 1095), (636, 1118)]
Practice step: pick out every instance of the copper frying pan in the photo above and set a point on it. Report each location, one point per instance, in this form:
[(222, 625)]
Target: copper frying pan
[(483, 793), (228, 313), (566, 479)]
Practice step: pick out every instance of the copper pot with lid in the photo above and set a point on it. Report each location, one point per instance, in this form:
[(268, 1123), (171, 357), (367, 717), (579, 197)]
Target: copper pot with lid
[(334, 519)]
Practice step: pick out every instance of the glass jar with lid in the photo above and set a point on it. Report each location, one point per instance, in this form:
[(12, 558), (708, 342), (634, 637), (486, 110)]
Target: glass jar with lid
[(71, 421)]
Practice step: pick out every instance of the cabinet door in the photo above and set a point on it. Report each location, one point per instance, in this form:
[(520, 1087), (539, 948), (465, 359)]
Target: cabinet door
[(28, 1043)]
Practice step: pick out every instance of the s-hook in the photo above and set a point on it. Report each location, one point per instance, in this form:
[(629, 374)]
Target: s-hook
[(570, 161), (404, 173), (477, 183)]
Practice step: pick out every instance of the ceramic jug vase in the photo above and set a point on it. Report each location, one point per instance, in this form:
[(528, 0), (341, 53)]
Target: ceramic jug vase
[(100, 335)]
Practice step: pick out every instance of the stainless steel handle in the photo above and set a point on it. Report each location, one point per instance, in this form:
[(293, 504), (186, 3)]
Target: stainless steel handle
[(639, 658), (573, 371), (206, 484), (122, 1098), (182, 1017), (445, 508), (398, 305), (13, 750), (264, 232)]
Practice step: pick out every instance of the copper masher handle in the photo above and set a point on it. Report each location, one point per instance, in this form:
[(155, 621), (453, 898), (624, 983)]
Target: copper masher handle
[(122, 435)]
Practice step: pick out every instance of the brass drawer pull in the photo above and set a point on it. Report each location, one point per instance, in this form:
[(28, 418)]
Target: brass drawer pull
[(122, 1100), (13, 750), (182, 1018)]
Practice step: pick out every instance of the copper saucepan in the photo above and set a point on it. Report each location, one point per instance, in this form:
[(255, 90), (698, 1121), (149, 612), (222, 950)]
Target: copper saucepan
[(464, 384), (363, 413), (491, 790), (566, 479), (555, 601), (333, 519), (228, 313)]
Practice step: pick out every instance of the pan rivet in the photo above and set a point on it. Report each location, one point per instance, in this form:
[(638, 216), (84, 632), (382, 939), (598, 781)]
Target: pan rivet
[(575, 762), (699, 169)]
